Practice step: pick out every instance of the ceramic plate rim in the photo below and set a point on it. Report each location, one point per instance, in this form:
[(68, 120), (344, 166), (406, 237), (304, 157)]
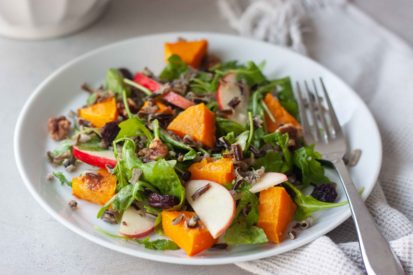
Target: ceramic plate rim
[(167, 258)]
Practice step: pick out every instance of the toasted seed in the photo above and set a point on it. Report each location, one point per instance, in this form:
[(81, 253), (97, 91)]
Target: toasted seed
[(200, 191), (192, 222), (125, 223), (178, 219), (72, 204), (292, 235), (70, 168), (306, 223)]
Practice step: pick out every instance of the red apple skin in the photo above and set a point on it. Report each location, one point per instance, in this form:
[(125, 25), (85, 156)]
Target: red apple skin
[(146, 82), (177, 100), (139, 235), (170, 97), (91, 158)]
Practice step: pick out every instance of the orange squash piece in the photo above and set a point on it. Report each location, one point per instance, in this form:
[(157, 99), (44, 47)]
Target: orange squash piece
[(276, 210), (96, 187), (220, 171), (100, 113), (191, 52), (198, 122), (191, 240), (162, 108), (279, 113)]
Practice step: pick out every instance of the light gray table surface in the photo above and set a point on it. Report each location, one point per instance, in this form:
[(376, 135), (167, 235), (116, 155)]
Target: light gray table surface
[(32, 242)]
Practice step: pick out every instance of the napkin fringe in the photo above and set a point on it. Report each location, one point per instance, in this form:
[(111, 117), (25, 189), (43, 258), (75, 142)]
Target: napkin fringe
[(276, 21)]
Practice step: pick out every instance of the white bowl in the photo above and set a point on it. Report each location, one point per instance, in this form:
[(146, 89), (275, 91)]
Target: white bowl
[(61, 92), (40, 19)]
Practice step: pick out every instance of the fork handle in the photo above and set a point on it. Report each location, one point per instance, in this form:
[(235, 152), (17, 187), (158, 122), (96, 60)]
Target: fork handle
[(377, 255)]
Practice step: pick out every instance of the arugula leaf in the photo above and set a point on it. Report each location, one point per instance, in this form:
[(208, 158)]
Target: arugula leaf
[(165, 137), (251, 73), (114, 82), (247, 200), (226, 126), (230, 137), (64, 147), (94, 144), (272, 162), (307, 204), (205, 83), (173, 70), (160, 244), (242, 233), (251, 131), (133, 127), (61, 177), (160, 174), (282, 141), (306, 158)]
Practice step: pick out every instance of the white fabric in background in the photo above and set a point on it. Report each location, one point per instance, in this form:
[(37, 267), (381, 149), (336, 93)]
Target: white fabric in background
[(379, 66)]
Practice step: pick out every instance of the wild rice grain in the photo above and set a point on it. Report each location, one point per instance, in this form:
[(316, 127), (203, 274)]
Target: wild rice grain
[(200, 191)]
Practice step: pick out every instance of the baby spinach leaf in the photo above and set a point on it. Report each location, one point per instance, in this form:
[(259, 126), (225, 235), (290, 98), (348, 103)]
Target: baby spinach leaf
[(226, 126), (114, 82), (307, 204), (173, 70), (249, 201), (272, 161), (242, 233), (61, 177), (160, 244), (133, 127), (306, 158), (281, 140)]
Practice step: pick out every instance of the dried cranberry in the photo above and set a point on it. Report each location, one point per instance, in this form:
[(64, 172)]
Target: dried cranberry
[(325, 192), (109, 132), (162, 201)]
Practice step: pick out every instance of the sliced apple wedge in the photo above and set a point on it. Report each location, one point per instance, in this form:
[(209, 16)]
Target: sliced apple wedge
[(268, 180), (136, 224), (95, 158), (171, 97), (213, 204), (229, 91)]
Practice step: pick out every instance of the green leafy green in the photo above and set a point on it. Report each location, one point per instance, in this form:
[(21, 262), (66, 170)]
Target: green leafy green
[(251, 131), (114, 82), (205, 83), (139, 87), (251, 73), (173, 69), (160, 174), (242, 139), (226, 126), (242, 233), (306, 159), (94, 144), (250, 201), (133, 127), (281, 140), (307, 205), (160, 244), (61, 177), (272, 161), (64, 147), (91, 99)]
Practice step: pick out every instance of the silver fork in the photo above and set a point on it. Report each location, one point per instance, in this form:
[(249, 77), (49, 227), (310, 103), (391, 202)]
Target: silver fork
[(321, 127)]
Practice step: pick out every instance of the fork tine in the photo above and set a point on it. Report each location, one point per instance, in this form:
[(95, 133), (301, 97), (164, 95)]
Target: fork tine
[(313, 114), (308, 136), (321, 111), (333, 117)]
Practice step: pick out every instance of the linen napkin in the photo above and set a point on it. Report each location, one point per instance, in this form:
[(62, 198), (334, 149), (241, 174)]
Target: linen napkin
[(379, 66)]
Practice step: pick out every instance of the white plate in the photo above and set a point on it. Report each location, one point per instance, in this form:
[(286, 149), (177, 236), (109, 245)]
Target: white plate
[(61, 92)]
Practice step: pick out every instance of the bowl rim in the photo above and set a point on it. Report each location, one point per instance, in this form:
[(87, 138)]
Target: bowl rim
[(340, 218)]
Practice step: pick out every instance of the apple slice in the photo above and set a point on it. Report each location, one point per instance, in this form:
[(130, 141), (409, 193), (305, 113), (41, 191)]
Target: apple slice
[(136, 224), (213, 204), (268, 180), (171, 97), (228, 90), (95, 158)]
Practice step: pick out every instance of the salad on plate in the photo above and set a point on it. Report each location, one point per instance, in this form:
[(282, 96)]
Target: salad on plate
[(207, 154)]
